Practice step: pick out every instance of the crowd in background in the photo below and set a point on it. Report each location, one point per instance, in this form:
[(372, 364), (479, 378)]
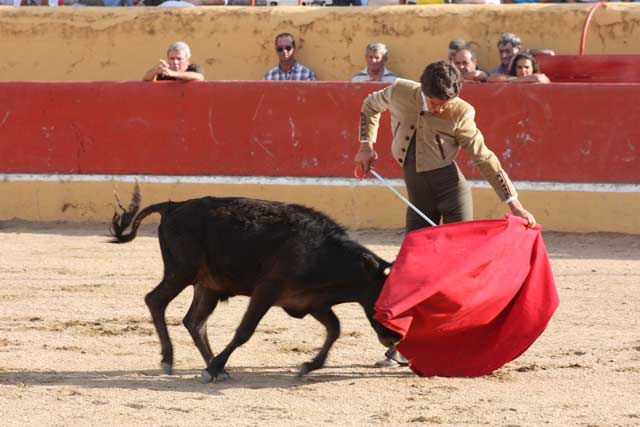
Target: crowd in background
[(516, 64), (190, 3)]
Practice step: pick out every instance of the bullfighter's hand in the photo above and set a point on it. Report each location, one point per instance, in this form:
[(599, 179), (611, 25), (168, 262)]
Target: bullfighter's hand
[(365, 157), (518, 210)]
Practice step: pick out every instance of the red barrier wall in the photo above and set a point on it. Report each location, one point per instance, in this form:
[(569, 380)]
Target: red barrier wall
[(591, 68), (557, 132)]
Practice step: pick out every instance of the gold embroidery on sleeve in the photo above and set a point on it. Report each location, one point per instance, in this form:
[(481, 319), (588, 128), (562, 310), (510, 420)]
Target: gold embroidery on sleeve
[(503, 183), (363, 122)]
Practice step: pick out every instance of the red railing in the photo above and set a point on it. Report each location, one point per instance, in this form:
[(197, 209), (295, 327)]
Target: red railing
[(585, 27)]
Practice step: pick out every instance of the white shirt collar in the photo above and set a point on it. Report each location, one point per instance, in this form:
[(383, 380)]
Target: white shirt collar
[(425, 107)]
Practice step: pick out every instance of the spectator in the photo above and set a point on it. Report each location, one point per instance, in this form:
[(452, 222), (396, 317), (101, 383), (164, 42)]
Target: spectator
[(288, 68), (176, 67), (376, 71), (454, 46), (467, 63), (524, 69), (508, 46)]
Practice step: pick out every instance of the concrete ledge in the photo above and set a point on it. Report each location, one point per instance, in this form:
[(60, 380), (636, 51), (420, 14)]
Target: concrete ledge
[(350, 203)]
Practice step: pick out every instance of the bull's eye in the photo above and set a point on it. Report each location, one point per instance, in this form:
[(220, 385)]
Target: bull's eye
[(387, 271)]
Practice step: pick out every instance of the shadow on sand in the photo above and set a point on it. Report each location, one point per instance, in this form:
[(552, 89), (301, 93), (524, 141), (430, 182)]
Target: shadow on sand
[(188, 381)]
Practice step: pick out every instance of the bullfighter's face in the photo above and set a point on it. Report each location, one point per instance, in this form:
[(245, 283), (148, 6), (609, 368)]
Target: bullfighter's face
[(436, 106)]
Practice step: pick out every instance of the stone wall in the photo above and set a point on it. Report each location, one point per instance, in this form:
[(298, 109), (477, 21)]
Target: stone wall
[(236, 43)]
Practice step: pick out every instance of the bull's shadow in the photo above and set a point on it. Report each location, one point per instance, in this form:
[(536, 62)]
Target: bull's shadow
[(188, 380)]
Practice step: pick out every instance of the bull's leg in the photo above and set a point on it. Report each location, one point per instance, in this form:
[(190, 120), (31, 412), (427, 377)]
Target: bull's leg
[(181, 257), (329, 319), (204, 302), (157, 300), (262, 299)]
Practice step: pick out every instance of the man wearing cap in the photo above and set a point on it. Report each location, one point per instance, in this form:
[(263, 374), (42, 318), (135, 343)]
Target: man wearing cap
[(430, 125)]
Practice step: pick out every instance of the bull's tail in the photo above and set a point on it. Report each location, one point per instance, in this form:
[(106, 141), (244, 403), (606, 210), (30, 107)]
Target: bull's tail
[(121, 221)]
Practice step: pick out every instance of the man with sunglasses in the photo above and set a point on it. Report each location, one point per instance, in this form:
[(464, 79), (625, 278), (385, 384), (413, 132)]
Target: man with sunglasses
[(288, 68), (430, 125)]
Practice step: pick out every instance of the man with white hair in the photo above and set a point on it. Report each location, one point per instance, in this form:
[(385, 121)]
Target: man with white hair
[(176, 67), (376, 71)]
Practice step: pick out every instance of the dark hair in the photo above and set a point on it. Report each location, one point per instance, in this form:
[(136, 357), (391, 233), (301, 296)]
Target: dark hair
[(293, 40), (457, 45), (441, 80), (523, 55), (507, 38)]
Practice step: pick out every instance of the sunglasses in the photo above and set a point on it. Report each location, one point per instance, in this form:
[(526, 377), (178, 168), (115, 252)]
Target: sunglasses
[(281, 48)]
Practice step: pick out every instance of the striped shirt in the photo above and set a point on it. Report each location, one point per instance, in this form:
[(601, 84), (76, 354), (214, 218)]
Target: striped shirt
[(297, 72)]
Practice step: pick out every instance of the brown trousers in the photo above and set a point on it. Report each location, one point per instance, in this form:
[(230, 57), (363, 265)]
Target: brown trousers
[(441, 194)]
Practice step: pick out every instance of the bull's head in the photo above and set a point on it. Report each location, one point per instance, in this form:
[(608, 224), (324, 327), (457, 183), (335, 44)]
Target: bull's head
[(377, 270)]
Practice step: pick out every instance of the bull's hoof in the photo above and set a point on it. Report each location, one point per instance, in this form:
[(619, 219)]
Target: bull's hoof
[(206, 377), (305, 369), (167, 368)]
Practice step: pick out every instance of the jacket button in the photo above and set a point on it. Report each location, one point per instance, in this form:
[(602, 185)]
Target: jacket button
[(412, 127), (399, 159), (422, 113), (407, 138), (404, 149)]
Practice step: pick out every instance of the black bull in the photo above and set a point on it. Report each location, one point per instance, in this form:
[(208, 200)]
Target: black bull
[(278, 254)]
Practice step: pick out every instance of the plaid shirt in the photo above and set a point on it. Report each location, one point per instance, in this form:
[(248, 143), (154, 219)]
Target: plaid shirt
[(297, 72)]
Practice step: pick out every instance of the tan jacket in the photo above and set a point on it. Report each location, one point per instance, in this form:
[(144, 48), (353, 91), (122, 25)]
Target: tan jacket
[(438, 137)]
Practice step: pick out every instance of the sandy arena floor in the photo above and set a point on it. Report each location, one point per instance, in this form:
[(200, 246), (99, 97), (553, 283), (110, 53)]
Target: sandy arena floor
[(77, 347)]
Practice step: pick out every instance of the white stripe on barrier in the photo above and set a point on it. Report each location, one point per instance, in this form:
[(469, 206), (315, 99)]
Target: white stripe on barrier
[(298, 181)]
